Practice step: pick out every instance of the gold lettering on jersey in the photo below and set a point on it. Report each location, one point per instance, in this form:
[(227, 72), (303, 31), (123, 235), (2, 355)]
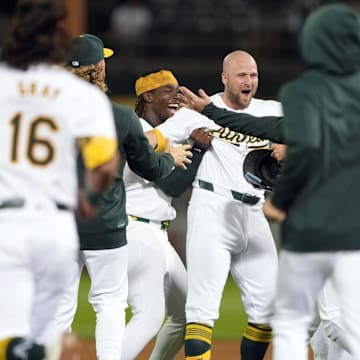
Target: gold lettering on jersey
[(236, 138), (34, 139), (34, 89), (228, 135), (45, 91)]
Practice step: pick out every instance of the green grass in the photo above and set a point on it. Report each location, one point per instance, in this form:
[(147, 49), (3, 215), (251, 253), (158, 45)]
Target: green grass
[(84, 322), (230, 325), (232, 319)]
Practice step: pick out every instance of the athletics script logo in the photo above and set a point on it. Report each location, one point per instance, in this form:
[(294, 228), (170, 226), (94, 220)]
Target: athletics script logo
[(236, 138)]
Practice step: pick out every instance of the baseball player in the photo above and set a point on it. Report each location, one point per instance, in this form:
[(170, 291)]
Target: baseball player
[(226, 227), (319, 169), (157, 276), (41, 132), (320, 242), (328, 338), (103, 239)]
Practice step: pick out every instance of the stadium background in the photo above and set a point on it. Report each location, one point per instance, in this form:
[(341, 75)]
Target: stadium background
[(190, 38)]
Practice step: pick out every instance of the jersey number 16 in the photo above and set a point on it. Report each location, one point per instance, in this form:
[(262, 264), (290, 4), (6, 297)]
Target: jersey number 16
[(33, 140)]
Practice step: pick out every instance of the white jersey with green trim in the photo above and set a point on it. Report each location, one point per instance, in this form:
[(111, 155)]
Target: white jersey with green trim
[(143, 198), (222, 164), (43, 111)]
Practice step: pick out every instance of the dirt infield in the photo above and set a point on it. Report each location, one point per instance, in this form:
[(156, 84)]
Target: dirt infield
[(221, 350), (224, 350)]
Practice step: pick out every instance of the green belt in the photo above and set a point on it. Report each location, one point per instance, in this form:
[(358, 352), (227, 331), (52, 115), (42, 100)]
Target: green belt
[(245, 198), (163, 224)]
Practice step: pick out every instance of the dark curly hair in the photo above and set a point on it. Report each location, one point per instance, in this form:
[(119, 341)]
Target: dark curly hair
[(36, 34)]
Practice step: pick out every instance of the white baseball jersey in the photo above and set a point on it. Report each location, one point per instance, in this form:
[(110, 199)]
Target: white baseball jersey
[(140, 191), (43, 111), (221, 164), (224, 233), (154, 268), (37, 147)]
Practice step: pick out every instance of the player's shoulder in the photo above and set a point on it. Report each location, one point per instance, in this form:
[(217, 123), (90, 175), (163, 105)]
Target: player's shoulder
[(185, 113), (302, 85), (265, 102), (4, 68), (265, 107), (80, 85), (217, 99), (69, 88), (72, 86), (123, 111), (145, 124), (125, 118)]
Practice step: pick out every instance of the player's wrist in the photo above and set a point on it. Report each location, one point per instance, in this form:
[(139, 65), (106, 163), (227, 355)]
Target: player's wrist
[(198, 149)]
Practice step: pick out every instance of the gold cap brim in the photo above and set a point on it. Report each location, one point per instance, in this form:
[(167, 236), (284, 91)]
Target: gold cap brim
[(108, 53)]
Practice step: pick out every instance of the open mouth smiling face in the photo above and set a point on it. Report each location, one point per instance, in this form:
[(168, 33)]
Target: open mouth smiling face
[(173, 106)]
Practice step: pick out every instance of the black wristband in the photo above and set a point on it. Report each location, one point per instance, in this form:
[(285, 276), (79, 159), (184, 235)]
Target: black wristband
[(199, 150), (92, 197)]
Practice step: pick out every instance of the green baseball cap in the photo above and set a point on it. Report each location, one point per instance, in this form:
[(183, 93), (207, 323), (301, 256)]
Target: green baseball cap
[(87, 49)]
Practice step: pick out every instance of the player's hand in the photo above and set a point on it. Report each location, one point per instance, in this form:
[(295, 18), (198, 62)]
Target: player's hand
[(272, 213), (181, 154), (193, 101), (202, 139), (85, 210), (279, 151)]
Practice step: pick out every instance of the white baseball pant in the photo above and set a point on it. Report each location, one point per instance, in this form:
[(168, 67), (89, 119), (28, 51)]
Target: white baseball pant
[(301, 278), (107, 295), (226, 234), (36, 250), (157, 285)]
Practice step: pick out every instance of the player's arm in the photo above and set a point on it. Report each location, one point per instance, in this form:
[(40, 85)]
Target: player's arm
[(179, 127), (302, 134), (93, 127), (178, 181), (180, 154), (156, 139), (141, 156), (101, 161), (266, 127)]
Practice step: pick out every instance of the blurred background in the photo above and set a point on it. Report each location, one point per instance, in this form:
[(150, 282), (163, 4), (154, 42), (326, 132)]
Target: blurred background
[(190, 37)]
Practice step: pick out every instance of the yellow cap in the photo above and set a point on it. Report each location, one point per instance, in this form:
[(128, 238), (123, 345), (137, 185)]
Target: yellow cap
[(154, 81)]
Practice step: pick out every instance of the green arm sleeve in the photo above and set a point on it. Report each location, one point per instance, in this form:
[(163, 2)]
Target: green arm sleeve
[(302, 134), (179, 180), (265, 127), (140, 155)]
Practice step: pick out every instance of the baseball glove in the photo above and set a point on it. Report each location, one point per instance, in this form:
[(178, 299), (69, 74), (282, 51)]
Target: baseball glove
[(261, 169)]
